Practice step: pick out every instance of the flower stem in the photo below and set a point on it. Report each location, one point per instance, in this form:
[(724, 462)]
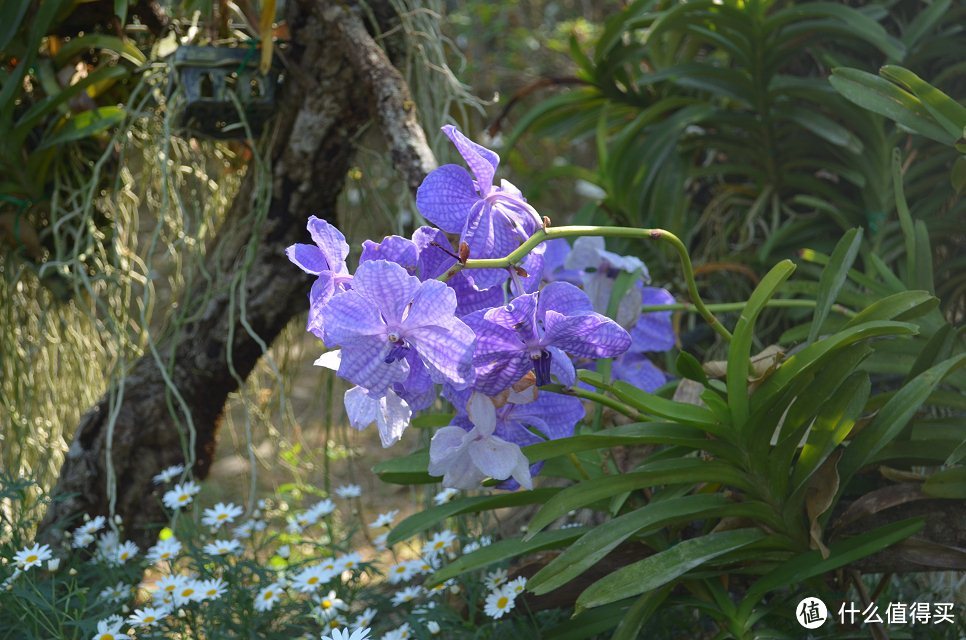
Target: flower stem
[(542, 235)]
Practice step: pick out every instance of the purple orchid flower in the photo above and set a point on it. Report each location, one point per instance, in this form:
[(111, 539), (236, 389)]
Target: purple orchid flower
[(491, 220), (652, 332), (325, 259), (555, 259), (436, 257), (389, 316), (534, 331), (402, 251), (466, 457), (598, 269)]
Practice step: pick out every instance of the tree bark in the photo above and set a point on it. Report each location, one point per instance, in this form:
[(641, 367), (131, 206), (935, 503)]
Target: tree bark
[(322, 108)]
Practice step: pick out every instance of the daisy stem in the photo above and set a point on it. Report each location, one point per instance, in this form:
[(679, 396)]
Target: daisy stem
[(542, 235)]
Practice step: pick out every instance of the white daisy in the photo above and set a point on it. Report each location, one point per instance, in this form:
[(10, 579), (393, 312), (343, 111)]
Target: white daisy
[(32, 556), (407, 595), (181, 495), (439, 543), (169, 474), (349, 491), (84, 534), (349, 562), (148, 616), (330, 605), (190, 591), (384, 519), (164, 550), (445, 496), (311, 578), (321, 509), (403, 571), (361, 633), (166, 587), (365, 618), (268, 596), (399, 633), (213, 588), (516, 586), (118, 593), (110, 629), (498, 603), (249, 527), (433, 627), (494, 579), (122, 553), (221, 514), (222, 547)]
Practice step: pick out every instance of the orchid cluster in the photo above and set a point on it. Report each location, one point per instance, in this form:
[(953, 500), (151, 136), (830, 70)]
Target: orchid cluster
[(413, 324)]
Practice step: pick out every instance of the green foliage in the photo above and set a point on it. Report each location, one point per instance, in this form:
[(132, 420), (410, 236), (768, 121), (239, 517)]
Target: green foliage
[(715, 120), (751, 482)]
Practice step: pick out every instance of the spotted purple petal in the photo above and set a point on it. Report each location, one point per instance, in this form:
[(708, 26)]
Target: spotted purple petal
[(446, 197)]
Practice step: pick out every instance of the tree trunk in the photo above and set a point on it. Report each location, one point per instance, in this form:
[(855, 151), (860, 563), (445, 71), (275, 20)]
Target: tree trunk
[(322, 108)]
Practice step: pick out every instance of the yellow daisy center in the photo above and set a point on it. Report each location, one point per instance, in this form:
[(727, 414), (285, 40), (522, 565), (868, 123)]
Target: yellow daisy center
[(148, 619), (187, 592), (106, 636), (183, 497), (313, 580), (32, 558), (269, 595), (222, 516), (326, 604), (502, 602)]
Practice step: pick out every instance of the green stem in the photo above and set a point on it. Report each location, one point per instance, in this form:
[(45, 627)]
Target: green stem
[(542, 235), (599, 398)]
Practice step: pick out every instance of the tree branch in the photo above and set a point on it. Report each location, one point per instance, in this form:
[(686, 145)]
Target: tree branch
[(392, 103)]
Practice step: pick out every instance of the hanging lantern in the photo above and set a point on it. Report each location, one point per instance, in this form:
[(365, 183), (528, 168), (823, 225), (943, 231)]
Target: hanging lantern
[(200, 86)]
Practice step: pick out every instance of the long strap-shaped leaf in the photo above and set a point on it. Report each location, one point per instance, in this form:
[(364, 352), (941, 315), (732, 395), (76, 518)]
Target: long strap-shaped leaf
[(663, 472), (894, 416), (664, 567), (601, 540), (739, 352)]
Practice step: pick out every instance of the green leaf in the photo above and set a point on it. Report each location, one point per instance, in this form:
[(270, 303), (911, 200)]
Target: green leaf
[(663, 472), (630, 625), (428, 518), (430, 420), (949, 113), (99, 41), (11, 14), (881, 96), (504, 550), (788, 377), (409, 469), (833, 277), (938, 347), (810, 564), (604, 538), (904, 305), (650, 403), (688, 367), (739, 352), (636, 434), (664, 567), (825, 128), (84, 125), (61, 98), (120, 10), (947, 483), (835, 421), (893, 417)]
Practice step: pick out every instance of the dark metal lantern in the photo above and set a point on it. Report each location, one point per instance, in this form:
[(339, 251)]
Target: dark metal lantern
[(199, 90)]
